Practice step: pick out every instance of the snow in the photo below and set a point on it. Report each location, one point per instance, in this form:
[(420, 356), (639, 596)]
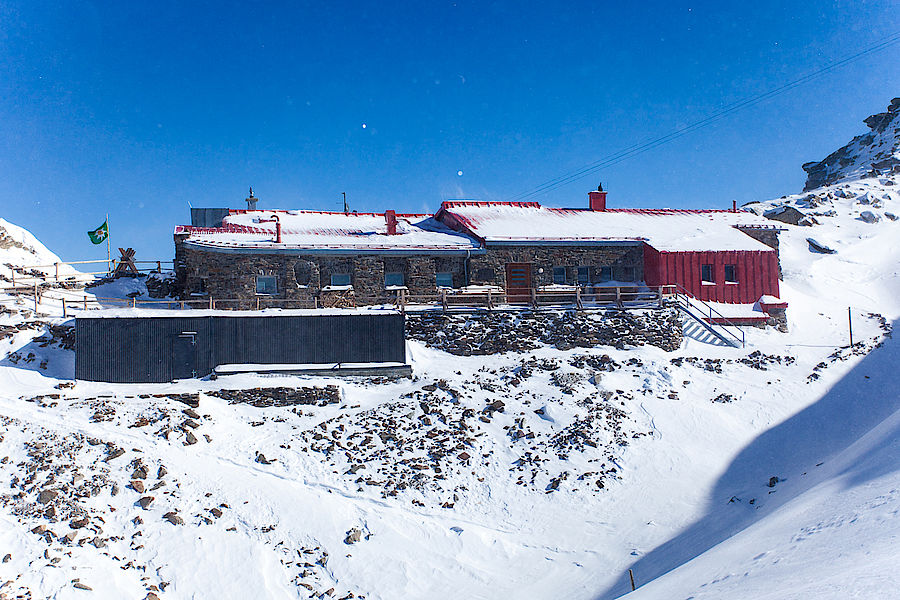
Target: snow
[(665, 230), (701, 433), (323, 231)]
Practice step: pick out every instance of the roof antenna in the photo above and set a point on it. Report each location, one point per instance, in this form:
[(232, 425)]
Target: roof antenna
[(251, 200), (346, 206)]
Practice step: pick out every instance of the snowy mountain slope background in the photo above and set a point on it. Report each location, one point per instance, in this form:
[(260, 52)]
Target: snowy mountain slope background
[(595, 460)]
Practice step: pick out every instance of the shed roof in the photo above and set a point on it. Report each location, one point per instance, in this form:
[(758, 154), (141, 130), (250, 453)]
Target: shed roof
[(667, 230)]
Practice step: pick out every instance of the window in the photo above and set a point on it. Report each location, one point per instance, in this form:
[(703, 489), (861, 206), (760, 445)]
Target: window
[(625, 273), (706, 274), (559, 275), (731, 274), (339, 279), (394, 279), (443, 279), (605, 274), (303, 272), (266, 284), (584, 275)]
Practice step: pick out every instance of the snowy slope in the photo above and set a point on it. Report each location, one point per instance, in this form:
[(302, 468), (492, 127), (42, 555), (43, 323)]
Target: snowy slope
[(869, 154), (20, 248), (599, 460)]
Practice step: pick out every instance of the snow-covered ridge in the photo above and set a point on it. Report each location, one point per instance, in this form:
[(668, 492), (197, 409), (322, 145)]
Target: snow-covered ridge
[(870, 154)]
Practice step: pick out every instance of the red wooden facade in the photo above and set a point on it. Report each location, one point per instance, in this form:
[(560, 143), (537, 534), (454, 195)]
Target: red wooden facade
[(756, 273)]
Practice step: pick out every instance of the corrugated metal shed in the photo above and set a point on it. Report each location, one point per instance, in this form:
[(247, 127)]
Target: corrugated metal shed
[(157, 349)]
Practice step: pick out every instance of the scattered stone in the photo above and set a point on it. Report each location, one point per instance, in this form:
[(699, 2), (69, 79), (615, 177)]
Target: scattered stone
[(189, 438), (261, 459), (145, 502), (114, 453), (7, 558), (773, 481), (47, 496), (81, 586), (161, 472), (353, 536), (191, 413), (819, 247), (140, 473), (867, 216), (138, 486), (173, 518)]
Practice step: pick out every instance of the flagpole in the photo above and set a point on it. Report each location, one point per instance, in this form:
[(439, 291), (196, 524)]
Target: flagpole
[(108, 259)]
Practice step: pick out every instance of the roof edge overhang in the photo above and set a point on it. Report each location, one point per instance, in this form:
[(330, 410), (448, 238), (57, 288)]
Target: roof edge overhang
[(300, 250), (536, 242)]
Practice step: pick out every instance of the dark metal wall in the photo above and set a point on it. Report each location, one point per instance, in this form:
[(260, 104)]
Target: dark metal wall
[(159, 349), (208, 217)]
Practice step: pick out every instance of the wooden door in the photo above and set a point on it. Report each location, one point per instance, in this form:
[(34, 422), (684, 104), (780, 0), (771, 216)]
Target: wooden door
[(518, 282)]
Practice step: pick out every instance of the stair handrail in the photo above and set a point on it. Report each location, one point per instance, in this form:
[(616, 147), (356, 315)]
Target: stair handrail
[(680, 291)]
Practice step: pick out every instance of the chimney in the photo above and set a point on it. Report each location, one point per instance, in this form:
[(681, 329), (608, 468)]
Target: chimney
[(251, 201), (597, 200), (390, 217)]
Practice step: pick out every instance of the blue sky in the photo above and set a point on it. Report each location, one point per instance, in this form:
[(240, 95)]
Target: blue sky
[(137, 109)]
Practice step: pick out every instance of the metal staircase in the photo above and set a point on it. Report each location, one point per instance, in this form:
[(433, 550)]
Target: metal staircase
[(698, 310)]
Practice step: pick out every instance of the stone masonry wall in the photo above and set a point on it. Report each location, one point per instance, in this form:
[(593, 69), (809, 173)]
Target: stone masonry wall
[(490, 268), (303, 277)]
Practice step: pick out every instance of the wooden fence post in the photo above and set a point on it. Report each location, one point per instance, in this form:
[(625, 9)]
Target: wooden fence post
[(534, 303), (134, 302), (182, 305), (444, 299), (660, 296), (56, 271), (64, 308), (578, 298), (211, 302), (85, 301), (490, 300), (631, 576), (14, 280), (36, 297)]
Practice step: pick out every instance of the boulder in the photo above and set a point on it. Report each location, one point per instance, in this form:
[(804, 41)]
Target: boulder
[(818, 247), (868, 216)]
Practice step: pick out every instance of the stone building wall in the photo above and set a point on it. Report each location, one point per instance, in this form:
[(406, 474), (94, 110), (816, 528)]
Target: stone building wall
[(307, 277), (626, 261)]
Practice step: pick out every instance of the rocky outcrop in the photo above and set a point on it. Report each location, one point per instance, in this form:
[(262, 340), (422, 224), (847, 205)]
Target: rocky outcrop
[(869, 155)]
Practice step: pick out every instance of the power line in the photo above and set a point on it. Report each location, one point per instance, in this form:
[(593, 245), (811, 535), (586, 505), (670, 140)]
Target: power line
[(641, 147)]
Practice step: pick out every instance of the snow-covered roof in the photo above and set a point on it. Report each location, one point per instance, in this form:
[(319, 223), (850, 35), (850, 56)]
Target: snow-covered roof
[(667, 230), (316, 231)]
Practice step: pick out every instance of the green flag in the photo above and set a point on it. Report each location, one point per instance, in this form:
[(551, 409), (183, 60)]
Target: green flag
[(99, 235)]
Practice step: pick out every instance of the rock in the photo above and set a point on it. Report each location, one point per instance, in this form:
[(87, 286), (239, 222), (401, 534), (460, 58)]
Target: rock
[(140, 473), (151, 596), (7, 558), (261, 459), (867, 216), (818, 247), (114, 453), (463, 456), (191, 413), (191, 423), (216, 512), (773, 481), (353, 536), (189, 438), (891, 216), (145, 502), (47, 495), (70, 537), (81, 586), (173, 518), (785, 214), (39, 529), (79, 523), (161, 472), (138, 486), (495, 406)]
